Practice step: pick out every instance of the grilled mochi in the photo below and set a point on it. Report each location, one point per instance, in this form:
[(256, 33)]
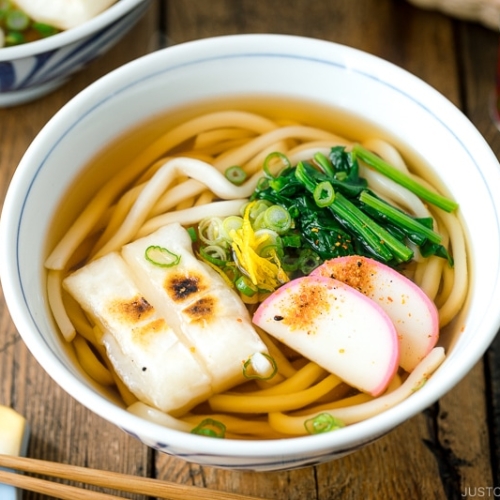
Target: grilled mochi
[(145, 351), (198, 303)]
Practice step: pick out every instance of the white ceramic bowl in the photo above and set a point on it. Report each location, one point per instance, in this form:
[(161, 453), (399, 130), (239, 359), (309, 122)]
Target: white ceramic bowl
[(34, 69), (308, 69)]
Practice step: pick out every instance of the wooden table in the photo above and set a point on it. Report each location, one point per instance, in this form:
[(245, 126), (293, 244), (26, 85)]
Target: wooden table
[(449, 451)]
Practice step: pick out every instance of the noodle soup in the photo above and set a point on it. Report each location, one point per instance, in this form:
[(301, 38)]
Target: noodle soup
[(204, 169)]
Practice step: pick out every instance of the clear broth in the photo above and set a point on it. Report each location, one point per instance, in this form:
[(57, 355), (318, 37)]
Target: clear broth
[(118, 154)]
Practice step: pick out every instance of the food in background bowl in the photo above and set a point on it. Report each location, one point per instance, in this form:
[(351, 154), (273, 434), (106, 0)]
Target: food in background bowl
[(316, 83), (63, 14), (23, 21), (17, 27), (31, 70), (236, 217)]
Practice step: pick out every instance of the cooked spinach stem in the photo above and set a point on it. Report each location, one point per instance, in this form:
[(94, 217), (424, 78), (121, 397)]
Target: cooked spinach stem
[(404, 180), (398, 217), (351, 220), (324, 163), (384, 243), (301, 175), (379, 241)]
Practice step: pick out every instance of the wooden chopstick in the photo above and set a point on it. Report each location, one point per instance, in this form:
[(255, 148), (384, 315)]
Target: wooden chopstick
[(56, 490), (100, 478)]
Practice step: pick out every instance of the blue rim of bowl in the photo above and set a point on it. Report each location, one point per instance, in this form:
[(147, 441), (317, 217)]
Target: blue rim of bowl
[(358, 433)]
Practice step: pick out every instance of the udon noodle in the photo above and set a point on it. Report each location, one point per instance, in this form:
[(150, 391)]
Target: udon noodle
[(179, 177)]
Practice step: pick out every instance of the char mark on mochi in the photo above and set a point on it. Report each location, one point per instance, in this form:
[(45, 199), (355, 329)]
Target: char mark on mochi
[(181, 287), (132, 310)]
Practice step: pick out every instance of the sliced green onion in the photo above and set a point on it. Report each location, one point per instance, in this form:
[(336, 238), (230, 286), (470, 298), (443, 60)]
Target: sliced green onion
[(260, 366), (305, 262), (16, 20), (162, 257), (44, 30), (259, 223), (399, 217), (14, 38), (210, 231), (270, 251), (275, 163), (273, 238), (215, 254), (231, 271), (308, 261), (245, 286), (192, 234), (257, 208), (324, 422), (231, 223), (5, 5), (403, 179), (211, 428), (290, 263), (236, 175), (262, 184), (324, 194), (277, 218)]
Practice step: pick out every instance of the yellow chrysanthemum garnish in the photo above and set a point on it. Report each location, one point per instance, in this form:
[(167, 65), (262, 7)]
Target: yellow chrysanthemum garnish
[(265, 272)]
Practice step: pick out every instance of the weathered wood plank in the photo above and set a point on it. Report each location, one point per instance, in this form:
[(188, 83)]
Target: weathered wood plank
[(62, 429), (479, 47), (460, 436)]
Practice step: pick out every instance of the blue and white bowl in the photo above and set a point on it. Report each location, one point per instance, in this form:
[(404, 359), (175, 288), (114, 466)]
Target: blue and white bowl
[(34, 69), (325, 73)]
